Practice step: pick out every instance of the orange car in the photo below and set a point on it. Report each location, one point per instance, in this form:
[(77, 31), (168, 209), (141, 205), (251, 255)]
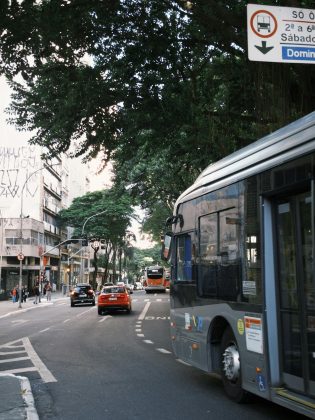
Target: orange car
[(113, 297)]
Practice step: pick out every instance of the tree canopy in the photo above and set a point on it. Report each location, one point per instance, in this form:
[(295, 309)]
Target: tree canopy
[(112, 215), (162, 87)]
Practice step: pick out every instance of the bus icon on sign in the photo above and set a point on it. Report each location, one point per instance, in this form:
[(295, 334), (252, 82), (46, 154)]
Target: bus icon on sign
[(263, 23)]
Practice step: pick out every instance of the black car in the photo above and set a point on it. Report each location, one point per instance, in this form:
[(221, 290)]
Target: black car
[(82, 293)]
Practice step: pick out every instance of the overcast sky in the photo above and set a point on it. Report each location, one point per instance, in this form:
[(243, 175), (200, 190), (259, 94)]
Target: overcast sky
[(10, 136)]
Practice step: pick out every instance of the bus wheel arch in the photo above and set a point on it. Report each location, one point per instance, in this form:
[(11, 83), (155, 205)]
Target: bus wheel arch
[(231, 371), (215, 333)]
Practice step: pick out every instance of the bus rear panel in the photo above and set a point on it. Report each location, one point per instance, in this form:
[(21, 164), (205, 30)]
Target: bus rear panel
[(155, 279)]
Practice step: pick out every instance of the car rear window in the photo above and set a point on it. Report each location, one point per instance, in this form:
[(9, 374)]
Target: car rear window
[(83, 289), (117, 289)]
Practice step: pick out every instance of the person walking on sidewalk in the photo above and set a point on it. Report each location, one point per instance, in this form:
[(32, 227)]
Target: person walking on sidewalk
[(14, 294), (36, 293), (48, 291), (24, 294)]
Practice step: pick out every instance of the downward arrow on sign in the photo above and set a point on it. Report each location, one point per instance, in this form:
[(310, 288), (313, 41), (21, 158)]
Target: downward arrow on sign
[(263, 48)]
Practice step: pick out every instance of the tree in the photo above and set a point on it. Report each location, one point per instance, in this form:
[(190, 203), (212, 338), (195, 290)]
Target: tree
[(108, 228), (162, 87)]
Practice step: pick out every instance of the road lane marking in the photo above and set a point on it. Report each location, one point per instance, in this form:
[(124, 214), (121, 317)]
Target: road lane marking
[(104, 318), (67, 320), (18, 322), (46, 329), (138, 329), (44, 372), (4, 353), (20, 370), (85, 312), (145, 310), (16, 359), (182, 362), (148, 341), (140, 335), (32, 356), (164, 351)]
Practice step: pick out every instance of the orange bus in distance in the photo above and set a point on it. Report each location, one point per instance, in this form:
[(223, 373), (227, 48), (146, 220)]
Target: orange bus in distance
[(154, 279)]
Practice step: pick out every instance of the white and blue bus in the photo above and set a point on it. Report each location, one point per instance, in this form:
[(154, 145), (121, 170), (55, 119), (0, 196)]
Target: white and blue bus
[(241, 247)]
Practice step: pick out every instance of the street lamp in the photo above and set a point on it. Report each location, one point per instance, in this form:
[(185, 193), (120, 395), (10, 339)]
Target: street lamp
[(82, 233), (93, 215), (21, 256)]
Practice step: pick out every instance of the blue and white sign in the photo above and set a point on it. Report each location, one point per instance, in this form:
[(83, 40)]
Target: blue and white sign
[(281, 34)]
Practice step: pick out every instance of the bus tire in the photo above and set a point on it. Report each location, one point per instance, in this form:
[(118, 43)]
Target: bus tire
[(231, 368)]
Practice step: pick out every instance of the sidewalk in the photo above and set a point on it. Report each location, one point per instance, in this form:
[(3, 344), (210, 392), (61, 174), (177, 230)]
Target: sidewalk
[(8, 308), (17, 402), (16, 398)]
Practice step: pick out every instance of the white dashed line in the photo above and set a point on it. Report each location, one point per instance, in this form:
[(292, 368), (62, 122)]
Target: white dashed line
[(145, 310), (182, 362), (140, 335), (105, 318), (46, 329), (164, 351), (148, 341)]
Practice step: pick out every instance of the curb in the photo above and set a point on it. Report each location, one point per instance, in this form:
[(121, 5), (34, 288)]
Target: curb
[(31, 413)]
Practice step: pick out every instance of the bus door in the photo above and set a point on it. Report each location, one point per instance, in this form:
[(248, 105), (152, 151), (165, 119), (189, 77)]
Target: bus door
[(296, 287)]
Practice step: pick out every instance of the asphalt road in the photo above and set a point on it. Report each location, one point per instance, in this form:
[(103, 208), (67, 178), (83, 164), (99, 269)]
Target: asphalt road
[(120, 367)]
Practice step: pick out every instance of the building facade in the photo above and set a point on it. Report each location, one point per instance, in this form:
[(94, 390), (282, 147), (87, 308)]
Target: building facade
[(32, 192)]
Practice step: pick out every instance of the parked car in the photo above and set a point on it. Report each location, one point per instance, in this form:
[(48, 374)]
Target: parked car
[(82, 293), (113, 297)]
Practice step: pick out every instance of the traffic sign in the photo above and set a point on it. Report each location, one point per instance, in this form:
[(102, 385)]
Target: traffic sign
[(20, 256), (280, 34)]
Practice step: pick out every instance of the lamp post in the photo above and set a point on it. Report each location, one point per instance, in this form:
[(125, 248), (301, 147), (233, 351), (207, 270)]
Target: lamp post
[(21, 256), (82, 233)]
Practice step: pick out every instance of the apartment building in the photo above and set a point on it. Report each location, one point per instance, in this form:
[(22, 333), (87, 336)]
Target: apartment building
[(32, 192)]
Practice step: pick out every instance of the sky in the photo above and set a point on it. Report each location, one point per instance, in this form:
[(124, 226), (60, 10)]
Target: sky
[(97, 181)]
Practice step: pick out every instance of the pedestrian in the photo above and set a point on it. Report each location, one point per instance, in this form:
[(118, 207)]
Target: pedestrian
[(48, 291), (24, 294), (36, 293), (13, 294), (17, 292)]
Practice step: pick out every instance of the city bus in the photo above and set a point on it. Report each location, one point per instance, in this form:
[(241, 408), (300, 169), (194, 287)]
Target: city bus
[(154, 279), (241, 247)]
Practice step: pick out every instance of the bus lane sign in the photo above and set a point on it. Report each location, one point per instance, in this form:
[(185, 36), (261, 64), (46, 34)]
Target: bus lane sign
[(280, 34)]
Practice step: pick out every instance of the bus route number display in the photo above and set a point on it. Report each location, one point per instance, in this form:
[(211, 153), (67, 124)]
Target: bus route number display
[(281, 34)]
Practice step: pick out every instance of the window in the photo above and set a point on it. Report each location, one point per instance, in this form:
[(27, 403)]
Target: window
[(219, 247), (184, 258), (251, 284)]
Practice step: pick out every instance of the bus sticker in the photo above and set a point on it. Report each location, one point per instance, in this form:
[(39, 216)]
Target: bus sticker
[(187, 321), (254, 337), (240, 326)]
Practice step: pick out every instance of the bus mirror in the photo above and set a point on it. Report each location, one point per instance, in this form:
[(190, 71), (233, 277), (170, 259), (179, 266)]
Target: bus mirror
[(166, 246)]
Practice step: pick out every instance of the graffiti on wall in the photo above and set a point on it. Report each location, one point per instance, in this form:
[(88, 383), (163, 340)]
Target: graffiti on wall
[(16, 165)]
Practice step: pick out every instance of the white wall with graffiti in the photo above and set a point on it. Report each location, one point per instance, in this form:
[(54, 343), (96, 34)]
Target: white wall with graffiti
[(17, 175)]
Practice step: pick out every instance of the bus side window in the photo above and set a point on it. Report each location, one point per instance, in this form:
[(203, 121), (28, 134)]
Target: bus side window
[(229, 264), (219, 269), (208, 251), (184, 258)]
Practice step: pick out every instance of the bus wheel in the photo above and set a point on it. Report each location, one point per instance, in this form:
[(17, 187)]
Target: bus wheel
[(231, 368)]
